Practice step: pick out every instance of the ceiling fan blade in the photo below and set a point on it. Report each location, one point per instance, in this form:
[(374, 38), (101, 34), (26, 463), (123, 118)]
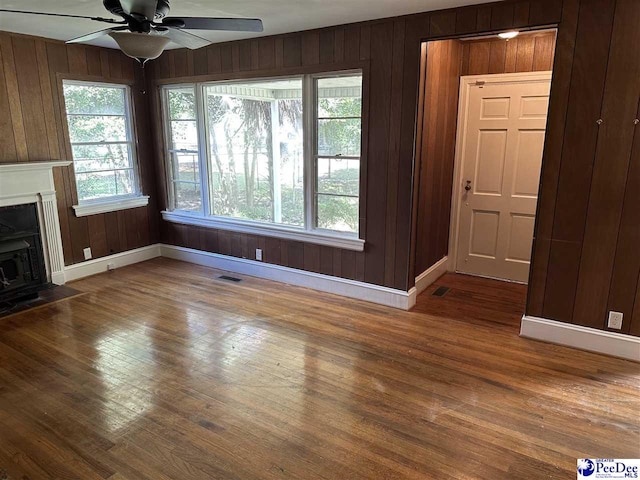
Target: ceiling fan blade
[(141, 7), (185, 39), (204, 23), (94, 35), (97, 19)]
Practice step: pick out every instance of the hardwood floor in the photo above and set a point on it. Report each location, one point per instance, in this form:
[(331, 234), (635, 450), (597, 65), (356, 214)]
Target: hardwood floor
[(163, 371)]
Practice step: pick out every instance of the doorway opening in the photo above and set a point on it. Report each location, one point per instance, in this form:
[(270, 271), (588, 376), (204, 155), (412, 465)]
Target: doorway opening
[(482, 113)]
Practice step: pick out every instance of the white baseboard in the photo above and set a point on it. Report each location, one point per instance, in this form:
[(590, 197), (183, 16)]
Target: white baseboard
[(431, 274), (324, 283), (99, 265), (584, 338)]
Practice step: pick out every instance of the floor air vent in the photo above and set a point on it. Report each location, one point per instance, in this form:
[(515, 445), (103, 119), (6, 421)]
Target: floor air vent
[(440, 291), (229, 279)]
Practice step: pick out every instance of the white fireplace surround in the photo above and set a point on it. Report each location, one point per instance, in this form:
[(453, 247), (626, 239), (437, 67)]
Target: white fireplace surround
[(32, 182)]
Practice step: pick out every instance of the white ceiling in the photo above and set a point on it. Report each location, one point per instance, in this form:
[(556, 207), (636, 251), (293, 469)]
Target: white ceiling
[(278, 16)]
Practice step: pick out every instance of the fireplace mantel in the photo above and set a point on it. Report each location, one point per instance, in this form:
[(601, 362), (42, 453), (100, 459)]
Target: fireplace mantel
[(32, 182)]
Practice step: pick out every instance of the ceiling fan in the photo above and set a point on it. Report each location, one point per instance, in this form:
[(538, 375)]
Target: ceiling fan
[(145, 29)]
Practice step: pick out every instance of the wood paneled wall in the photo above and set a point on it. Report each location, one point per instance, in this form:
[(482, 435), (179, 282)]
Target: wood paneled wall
[(586, 256), (528, 52), (446, 61), (33, 128), (390, 50), (435, 151)]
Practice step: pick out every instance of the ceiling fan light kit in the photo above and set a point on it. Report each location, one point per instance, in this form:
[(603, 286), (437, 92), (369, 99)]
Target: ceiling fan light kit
[(141, 46), (140, 36)]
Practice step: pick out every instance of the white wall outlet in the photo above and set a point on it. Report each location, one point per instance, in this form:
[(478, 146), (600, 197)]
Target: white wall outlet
[(615, 320), (111, 266), (259, 254), (87, 253)]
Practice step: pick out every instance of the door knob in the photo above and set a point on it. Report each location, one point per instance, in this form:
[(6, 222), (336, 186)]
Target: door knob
[(468, 185)]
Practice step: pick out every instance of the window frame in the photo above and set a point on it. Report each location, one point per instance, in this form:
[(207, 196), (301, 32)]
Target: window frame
[(309, 232), (312, 157), (200, 154), (114, 202)]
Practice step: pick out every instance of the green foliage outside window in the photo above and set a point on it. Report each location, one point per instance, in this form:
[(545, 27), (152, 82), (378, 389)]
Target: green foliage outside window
[(244, 139), (97, 124)]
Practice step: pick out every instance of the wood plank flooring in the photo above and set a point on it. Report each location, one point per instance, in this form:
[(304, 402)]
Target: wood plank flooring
[(164, 371)]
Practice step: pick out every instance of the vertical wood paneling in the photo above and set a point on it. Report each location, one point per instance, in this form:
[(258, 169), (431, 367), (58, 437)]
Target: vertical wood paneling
[(365, 42), (554, 138), (611, 168), (279, 52), (98, 235), (200, 62), (497, 57), (112, 233), (267, 53), (437, 151), (292, 50), (405, 257), (7, 141), (214, 59), (190, 63), (394, 151), (15, 109), (311, 48), (244, 52), (339, 44), (104, 62), (466, 20), (521, 13), (635, 319), (381, 38), (226, 58), (326, 46), (94, 66), (625, 280), (479, 55), (524, 56), (546, 12), (77, 57), (311, 254), (31, 98), (574, 183), (443, 23), (179, 63), (543, 52), (483, 18), (352, 43), (255, 55), (529, 52), (502, 15)]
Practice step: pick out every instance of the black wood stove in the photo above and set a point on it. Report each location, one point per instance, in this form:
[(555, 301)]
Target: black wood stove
[(22, 268)]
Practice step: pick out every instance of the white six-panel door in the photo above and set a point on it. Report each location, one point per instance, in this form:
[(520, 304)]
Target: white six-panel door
[(500, 156)]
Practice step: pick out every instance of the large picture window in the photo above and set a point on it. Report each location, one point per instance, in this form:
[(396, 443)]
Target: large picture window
[(99, 124), (274, 156)]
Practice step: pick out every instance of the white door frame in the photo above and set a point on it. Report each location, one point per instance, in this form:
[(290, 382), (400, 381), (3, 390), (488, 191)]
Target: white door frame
[(466, 82)]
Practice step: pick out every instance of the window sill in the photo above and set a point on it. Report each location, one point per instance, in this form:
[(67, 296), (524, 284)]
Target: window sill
[(336, 240), (110, 205)]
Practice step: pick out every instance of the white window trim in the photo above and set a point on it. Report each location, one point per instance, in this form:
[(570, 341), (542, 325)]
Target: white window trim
[(117, 202), (204, 218), (112, 204), (320, 237)]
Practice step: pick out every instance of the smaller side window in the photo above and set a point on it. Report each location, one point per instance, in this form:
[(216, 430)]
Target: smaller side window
[(338, 135), (100, 132), (183, 148)]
